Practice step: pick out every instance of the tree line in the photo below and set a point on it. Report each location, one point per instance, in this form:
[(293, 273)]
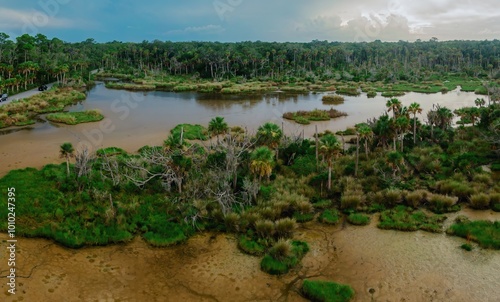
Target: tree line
[(28, 60)]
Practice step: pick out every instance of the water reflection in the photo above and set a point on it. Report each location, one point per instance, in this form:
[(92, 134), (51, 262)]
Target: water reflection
[(150, 116)]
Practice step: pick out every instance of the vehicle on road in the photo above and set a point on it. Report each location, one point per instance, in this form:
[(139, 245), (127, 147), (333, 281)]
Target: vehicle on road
[(4, 97), (42, 88)]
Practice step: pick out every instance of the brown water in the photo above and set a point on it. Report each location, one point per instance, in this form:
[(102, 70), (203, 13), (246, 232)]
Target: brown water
[(380, 266), (136, 119)]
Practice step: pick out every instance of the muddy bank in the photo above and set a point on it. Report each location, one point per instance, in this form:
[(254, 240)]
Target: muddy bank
[(379, 265)]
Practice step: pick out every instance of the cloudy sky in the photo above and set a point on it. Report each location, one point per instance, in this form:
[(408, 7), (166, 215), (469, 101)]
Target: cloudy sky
[(250, 20)]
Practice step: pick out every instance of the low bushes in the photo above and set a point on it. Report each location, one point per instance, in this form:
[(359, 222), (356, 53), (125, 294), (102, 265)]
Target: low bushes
[(329, 217), (326, 291), (486, 233), (73, 118), (332, 99), (305, 117), (250, 246), (358, 219), (405, 219), (283, 256), (191, 132)]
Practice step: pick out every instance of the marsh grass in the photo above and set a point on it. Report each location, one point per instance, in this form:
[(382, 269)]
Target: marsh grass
[(358, 219), (74, 118), (283, 256), (329, 217), (130, 86), (305, 117), (251, 246), (486, 233), (191, 132), (326, 291), (330, 99), (406, 219), (22, 112)]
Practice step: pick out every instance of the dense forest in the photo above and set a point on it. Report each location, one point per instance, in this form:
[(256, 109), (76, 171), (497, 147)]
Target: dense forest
[(409, 166), (28, 60)]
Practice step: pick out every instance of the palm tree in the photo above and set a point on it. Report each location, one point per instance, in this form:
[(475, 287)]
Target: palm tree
[(261, 162), (414, 109), (383, 130), (480, 102), (402, 124), (366, 134), (67, 151), (270, 135), (445, 116), (217, 126), (330, 148), (394, 105)]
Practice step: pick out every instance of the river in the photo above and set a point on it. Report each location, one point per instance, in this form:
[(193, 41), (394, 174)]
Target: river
[(136, 119), (380, 265)]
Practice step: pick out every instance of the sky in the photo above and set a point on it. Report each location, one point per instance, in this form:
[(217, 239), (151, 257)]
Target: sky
[(252, 20)]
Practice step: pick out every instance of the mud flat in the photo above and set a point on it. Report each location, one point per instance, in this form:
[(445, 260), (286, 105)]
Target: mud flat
[(380, 265)]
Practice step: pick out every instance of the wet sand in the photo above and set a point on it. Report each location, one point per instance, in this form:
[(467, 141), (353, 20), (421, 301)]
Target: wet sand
[(380, 265)]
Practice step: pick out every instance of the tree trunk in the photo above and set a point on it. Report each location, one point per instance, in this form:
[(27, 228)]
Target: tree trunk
[(329, 177), (357, 156), (414, 129), (67, 165), (317, 148)]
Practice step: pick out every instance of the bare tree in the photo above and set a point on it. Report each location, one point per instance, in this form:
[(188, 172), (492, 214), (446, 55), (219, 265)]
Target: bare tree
[(157, 163), (110, 169), (83, 162)]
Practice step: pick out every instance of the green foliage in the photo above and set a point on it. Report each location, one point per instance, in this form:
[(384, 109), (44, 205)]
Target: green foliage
[(486, 233), (250, 246), (466, 247), (74, 118), (442, 203), (322, 204), (191, 132), (329, 217), (405, 219), (358, 219), (480, 201), (283, 256), (332, 99), (326, 291), (304, 117)]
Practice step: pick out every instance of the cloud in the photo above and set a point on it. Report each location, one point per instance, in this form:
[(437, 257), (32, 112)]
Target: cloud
[(17, 19), (207, 29)]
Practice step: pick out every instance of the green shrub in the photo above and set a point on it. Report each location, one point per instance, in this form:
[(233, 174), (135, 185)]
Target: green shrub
[(191, 132), (332, 99), (322, 204), (480, 201), (467, 247), (325, 291), (486, 233), (393, 197), (416, 198), (303, 217), (232, 222), (281, 250), (264, 228), (285, 260), (405, 219), (358, 219), (442, 203), (285, 227), (329, 217), (351, 201), (250, 246)]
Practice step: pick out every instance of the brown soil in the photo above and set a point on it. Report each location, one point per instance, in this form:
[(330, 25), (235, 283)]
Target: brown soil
[(379, 265)]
